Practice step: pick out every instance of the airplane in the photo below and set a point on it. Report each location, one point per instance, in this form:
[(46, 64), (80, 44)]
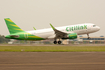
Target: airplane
[(64, 32)]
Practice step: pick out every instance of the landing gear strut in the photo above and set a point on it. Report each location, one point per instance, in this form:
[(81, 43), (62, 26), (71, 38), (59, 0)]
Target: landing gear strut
[(88, 36)]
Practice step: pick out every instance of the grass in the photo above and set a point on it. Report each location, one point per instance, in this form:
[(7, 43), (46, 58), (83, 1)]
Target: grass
[(52, 48)]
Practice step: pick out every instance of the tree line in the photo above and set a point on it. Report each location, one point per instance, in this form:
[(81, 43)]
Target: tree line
[(3, 39)]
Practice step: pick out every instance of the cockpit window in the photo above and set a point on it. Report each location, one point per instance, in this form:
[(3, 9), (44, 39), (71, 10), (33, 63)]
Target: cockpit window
[(94, 25)]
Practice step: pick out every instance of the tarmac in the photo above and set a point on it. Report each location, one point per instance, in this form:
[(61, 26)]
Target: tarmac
[(52, 60), (52, 45)]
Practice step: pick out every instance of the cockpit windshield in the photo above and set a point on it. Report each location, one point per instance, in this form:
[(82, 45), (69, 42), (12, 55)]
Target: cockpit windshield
[(94, 25)]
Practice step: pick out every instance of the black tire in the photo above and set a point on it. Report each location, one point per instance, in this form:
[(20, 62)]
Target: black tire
[(55, 42), (88, 37), (59, 42)]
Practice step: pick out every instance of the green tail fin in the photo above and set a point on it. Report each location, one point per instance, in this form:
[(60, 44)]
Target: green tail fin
[(12, 27)]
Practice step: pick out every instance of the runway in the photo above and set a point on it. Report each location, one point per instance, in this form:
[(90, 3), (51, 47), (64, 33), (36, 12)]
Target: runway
[(52, 60)]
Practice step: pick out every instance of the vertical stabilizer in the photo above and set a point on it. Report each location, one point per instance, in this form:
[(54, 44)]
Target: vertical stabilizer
[(12, 27)]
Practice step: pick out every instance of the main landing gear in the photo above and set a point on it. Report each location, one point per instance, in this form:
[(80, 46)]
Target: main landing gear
[(59, 42)]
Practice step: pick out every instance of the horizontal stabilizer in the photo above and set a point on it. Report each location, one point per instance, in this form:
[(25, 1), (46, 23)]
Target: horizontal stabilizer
[(34, 28)]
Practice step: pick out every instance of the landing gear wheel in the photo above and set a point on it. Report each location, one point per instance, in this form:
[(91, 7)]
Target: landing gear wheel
[(55, 42), (88, 37), (59, 42)]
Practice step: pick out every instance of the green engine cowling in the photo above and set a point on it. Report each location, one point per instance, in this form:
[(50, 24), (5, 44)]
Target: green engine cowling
[(72, 36)]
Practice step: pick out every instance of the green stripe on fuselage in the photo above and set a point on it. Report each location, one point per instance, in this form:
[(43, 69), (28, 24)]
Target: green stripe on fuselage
[(24, 36)]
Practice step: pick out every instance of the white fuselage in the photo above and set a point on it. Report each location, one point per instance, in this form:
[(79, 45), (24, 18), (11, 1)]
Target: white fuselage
[(80, 29)]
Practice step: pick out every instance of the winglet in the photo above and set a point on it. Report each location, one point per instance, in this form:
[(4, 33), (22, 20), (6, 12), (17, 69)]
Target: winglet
[(52, 27), (34, 28)]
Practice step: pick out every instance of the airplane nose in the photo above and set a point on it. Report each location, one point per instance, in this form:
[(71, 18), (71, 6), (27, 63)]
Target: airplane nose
[(98, 28)]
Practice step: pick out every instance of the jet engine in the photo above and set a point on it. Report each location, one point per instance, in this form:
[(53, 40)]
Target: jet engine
[(71, 36)]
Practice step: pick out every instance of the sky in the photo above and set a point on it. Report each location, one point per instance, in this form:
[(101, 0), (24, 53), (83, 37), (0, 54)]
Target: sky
[(39, 13)]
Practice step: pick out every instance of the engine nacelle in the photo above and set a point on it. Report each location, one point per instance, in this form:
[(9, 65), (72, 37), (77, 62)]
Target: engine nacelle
[(72, 36)]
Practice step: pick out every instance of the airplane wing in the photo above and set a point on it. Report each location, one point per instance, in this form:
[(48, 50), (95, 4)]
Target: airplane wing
[(59, 34)]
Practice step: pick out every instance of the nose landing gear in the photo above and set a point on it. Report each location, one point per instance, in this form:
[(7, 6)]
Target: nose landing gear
[(88, 36)]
